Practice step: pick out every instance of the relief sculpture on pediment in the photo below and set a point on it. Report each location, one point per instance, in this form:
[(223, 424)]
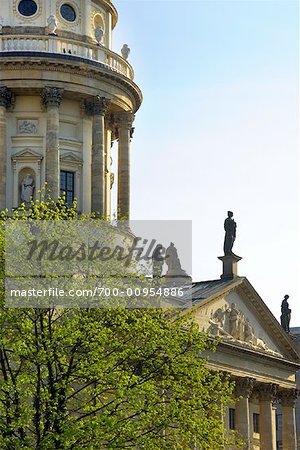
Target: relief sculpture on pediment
[(229, 323)]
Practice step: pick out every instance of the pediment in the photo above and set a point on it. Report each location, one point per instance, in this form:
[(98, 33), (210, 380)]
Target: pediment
[(27, 155), (71, 158), (236, 314)]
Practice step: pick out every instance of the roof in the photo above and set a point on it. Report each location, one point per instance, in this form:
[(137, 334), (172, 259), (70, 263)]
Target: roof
[(204, 289)]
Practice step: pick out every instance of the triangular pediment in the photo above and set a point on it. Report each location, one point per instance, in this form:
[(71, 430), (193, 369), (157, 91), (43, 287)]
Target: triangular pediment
[(232, 311), (70, 157), (28, 155)]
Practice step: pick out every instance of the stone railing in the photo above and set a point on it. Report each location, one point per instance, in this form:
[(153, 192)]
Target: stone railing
[(53, 44)]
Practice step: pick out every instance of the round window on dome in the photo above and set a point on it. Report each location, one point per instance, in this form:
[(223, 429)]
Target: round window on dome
[(68, 12), (27, 8)]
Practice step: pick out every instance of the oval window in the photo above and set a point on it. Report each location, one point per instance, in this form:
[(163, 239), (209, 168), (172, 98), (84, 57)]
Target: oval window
[(27, 8), (68, 12)]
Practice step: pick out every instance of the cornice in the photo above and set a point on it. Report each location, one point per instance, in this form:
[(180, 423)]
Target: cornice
[(72, 64)]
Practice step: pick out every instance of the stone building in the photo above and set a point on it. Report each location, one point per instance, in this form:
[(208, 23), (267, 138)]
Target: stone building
[(65, 96), (261, 357)]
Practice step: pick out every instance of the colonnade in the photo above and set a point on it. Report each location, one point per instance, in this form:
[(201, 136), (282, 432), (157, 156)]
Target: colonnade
[(99, 108), (268, 396)]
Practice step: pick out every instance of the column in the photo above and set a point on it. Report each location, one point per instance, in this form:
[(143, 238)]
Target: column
[(267, 419), (52, 97), (5, 102), (243, 388), (288, 402), (124, 121), (98, 107), (87, 132)]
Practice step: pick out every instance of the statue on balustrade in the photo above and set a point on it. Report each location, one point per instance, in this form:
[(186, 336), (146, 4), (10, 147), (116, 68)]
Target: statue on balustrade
[(285, 317), (125, 50), (52, 24), (99, 33)]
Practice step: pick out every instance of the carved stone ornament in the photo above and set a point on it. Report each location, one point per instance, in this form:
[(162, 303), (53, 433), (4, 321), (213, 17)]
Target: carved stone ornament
[(267, 391), (6, 97), (243, 386), (97, 105), (125, 120), (27, 126), (52, 96), (289, 397), (229, 323)]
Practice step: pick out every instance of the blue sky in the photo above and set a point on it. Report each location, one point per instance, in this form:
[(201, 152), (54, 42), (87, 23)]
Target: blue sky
[(219, 130)]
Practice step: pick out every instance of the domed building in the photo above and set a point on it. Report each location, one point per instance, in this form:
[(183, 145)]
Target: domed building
[(65, 96)]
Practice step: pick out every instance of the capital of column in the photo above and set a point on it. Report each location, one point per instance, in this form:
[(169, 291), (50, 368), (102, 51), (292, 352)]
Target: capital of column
[(6, 97), (52, 96), (267, 391), (288, 397), (244, 386), (97, 106), (125, 120)]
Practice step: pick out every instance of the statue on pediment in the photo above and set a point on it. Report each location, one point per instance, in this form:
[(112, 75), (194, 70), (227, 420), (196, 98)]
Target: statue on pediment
[(230, 234), (285, 317)]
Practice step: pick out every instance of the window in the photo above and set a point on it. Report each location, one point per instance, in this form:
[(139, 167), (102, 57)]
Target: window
[(27, 8), (68, 12), (256, 423), (231, 418), (67, 186)]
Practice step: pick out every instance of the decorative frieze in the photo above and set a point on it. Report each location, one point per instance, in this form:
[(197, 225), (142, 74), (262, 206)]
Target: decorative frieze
[(52, 96)]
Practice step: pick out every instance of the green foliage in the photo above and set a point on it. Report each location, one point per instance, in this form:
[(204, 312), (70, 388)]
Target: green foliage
[(104, 378)]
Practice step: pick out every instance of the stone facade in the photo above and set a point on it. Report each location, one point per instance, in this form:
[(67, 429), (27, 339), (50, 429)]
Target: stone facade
[(65, 97), (260, 357)]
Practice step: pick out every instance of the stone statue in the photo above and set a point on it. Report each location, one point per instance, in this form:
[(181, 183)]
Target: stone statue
[(125, 50), (52, 24), (285, 317), (249, 335), (99, 33), (172, 259), (27, 188), (234, 321), (230, 234), (158, 260)]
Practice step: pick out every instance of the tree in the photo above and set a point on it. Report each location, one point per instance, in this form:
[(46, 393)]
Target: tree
[(111, 378)]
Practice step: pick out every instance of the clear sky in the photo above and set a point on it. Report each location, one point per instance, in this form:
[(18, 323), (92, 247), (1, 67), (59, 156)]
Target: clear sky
[(219, 130)]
